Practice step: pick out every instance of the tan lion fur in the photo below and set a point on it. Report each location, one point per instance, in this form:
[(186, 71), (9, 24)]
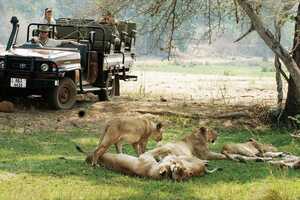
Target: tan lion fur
[(135, 131), (195, 144), (252, 148), (289, 161), (178, 168)]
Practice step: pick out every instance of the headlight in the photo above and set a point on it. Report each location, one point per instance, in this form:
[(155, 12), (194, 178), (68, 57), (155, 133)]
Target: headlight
[(44, 67), (1, 64)]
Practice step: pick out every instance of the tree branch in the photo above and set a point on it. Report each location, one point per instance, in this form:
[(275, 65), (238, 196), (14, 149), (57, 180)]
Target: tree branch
[(245, 34), (272, 43)]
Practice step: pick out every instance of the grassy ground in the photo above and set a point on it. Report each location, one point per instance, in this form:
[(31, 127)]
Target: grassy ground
[(262, 69), (45, 165)]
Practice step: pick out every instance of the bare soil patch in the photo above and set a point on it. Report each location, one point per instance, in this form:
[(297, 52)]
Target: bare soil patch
[(243, 103), (28, 121)]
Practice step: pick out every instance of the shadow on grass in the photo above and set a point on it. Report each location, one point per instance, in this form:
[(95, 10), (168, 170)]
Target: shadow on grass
[(50, 154)]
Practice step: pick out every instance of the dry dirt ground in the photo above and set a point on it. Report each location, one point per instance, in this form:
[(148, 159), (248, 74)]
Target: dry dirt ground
[(156, 94), (205, 87)]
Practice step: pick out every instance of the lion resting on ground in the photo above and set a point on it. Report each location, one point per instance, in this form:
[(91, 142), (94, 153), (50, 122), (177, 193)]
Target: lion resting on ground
[(135, 131), (179, 160), (174, 167), (251, 150), (195, 144), (288, 161)]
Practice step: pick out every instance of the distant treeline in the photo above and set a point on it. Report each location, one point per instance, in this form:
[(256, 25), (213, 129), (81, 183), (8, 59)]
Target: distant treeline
[(148, 43)]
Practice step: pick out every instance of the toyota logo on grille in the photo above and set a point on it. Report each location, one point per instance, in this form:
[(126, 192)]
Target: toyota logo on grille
[(22, 66)]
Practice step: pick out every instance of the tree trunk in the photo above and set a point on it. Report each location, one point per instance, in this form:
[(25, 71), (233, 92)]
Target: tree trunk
[(293, 102), (292, 106), (277, 64)]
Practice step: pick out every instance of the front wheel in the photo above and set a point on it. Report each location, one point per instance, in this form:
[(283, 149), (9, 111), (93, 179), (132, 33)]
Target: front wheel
[(3, 94), (63, 96)]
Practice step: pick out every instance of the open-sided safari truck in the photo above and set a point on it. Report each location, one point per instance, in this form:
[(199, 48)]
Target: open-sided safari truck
[(103, 56)]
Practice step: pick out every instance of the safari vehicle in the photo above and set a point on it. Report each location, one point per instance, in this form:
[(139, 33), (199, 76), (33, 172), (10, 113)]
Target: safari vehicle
[(97, 64)]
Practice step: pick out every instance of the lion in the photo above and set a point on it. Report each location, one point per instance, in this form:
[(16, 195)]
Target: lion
[(135, 131), (7, 106), (289, 161), (195, 144), (251, 150), (177, 168)]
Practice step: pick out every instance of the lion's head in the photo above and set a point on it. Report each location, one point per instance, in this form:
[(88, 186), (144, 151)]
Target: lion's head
[(157, 133), (262, 148), (209, 135)]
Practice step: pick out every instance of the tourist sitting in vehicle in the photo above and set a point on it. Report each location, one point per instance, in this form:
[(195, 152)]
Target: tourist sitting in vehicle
[(44, 40)]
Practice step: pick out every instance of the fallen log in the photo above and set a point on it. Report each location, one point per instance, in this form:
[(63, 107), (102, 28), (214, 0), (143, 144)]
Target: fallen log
[(170, 113), (231, 115)]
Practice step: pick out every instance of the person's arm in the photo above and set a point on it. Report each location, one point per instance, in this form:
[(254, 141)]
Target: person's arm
[(69, 42), (34, 40)]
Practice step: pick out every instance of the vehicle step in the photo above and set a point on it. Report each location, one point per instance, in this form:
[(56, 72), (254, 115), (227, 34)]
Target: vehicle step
[(89, 89), (85, 83), (130, 78)]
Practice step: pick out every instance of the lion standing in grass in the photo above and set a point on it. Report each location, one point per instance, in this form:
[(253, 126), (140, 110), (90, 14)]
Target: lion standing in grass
[(135, 131)]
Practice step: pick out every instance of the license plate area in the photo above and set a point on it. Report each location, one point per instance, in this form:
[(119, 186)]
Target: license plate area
[(18, 82)]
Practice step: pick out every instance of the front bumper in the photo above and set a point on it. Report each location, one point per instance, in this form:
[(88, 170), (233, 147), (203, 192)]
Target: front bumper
[(32, 83)]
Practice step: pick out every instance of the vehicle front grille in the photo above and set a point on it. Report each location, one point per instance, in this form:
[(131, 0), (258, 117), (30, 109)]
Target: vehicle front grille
[(19, 63)]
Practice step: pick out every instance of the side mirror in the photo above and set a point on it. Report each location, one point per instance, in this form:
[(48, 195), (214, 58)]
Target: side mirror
[(92, 36)]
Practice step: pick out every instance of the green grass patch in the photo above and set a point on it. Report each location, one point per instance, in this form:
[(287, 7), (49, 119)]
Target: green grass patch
[(262, 69), (47, 166)]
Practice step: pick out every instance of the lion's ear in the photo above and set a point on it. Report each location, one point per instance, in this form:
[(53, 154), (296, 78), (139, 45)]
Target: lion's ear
[(252, 140), (203, 130), (159, 125)]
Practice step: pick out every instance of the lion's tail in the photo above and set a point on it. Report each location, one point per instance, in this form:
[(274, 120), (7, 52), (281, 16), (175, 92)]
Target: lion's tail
[(212, 171)]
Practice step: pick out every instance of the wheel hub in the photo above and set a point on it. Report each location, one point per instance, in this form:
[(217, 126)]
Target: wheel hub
[(64, 95)]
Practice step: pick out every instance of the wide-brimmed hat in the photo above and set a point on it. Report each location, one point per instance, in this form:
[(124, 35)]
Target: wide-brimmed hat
[(44, 28)]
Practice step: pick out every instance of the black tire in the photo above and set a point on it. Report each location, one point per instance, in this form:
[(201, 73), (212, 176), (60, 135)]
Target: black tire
[(3, 94), (110, 89), (117, 86), (63, 96), (102, 95)]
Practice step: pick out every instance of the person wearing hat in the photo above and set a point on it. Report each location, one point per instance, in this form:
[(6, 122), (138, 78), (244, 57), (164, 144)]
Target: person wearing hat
[(43, 37), (48, 17), (45, 41)]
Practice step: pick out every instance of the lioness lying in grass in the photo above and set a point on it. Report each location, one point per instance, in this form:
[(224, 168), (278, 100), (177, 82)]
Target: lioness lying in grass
[(251, 150), (288, 161), (174, 167), (195, 144)]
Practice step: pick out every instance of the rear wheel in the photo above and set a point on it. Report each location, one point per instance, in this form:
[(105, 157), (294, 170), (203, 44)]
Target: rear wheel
[(110, 89), (63, 96), (117, 86)]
